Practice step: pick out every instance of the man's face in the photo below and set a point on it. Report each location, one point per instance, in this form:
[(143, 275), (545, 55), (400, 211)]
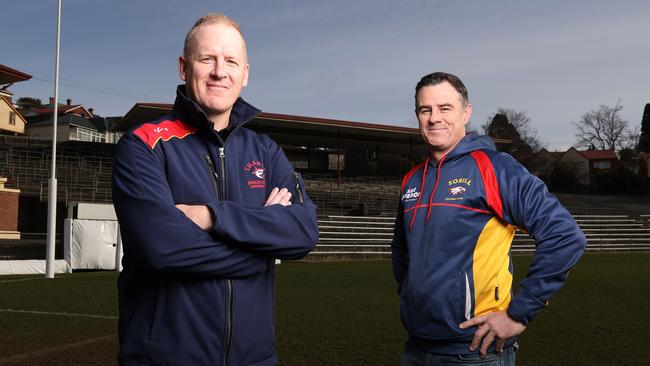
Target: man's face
[(216, 68), (442, 116)]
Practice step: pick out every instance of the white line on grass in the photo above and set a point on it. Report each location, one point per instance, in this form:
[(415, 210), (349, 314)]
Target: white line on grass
[(22, 279), (56, 313), (46, 351)]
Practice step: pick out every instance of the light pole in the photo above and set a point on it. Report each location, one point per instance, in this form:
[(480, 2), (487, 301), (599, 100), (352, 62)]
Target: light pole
[(51, 187)]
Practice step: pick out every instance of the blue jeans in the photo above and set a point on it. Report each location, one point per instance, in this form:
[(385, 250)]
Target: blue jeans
[(413, 356)]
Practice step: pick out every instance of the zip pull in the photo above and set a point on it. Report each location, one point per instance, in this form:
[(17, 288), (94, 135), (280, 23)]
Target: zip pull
[(214, 175), (222, 165), (296, 176), (496, 293)]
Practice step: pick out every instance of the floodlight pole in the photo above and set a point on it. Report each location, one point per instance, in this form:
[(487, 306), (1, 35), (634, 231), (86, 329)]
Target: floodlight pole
[(51, 187)]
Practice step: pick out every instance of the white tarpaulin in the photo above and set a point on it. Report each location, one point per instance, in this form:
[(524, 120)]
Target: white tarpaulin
[(31, 266), (90, 244)]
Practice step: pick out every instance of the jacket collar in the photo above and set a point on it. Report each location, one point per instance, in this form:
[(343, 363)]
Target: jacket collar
[(193, 114), (469, 143)]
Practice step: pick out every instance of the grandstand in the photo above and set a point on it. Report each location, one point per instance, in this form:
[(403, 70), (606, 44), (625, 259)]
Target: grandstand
[(366, 237), (83, 168), (356, 212)]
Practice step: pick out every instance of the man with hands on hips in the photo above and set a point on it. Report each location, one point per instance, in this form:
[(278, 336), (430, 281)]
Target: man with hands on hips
[(457, 217)]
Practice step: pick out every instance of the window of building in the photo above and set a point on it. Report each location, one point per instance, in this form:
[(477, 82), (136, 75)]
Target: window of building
[(604, 164), (12, 118), (84, 134), (336, 161)]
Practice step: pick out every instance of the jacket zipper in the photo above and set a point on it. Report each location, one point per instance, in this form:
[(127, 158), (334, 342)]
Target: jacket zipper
[(222, 163), (229, 285), (301, 199), (227, 340), (213, 175)]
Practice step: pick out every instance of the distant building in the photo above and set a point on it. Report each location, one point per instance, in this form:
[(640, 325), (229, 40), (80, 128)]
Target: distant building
[(74, 123), (544, 161), (320, 144), (586, 163), (11, 121)]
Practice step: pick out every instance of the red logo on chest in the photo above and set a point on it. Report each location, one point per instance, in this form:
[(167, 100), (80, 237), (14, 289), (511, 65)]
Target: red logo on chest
[(257, 174)]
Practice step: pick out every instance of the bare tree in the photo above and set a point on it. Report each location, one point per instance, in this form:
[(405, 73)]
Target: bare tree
[(522, 124), (603, 129)]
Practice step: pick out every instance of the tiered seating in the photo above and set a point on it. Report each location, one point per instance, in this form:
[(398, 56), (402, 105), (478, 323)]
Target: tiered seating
[(356, 237), (604, 233), (353, 195), (83, 168)]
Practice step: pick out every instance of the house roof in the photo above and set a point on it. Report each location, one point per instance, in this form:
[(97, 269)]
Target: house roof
[(142, 112), (599, 154), (69, 118), (9, 75), (62, 109), (104, 123)]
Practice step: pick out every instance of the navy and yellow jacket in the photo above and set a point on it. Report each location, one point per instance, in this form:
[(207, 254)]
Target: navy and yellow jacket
[(451, 250), (194, 297)]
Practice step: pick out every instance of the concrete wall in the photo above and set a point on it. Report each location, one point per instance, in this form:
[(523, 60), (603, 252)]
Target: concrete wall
[(9, 211)]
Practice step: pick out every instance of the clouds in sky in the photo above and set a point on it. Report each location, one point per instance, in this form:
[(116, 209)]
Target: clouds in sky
[(353, 60)]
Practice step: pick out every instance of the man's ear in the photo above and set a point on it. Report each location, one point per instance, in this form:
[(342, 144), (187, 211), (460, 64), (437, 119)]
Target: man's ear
[(181, 67), (468, 111), (246, 68)]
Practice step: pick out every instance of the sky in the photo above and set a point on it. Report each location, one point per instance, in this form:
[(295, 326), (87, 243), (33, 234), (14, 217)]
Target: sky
[(351, 60)]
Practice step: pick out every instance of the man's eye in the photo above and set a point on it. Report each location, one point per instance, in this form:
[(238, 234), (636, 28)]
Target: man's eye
[(206, 60), (425, 111)]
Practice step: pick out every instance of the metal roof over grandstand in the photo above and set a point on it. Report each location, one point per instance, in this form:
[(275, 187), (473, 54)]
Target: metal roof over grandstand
[(306, 132), (9, 75)]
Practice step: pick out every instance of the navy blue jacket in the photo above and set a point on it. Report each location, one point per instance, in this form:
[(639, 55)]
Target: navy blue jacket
[(194, 297), (452, 244)]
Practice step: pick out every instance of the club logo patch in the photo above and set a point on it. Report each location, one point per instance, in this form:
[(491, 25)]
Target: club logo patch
[(457, 190), (457, 187), (257, 174)]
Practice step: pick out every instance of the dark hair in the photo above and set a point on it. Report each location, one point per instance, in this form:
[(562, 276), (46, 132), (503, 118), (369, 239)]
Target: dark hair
[(439, 77)]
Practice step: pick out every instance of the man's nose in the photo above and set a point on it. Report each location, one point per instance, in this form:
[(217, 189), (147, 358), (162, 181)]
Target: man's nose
[(434, 117), (218, 70)]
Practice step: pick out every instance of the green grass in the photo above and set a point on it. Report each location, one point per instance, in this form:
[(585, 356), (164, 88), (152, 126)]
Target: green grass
[(342, 314)]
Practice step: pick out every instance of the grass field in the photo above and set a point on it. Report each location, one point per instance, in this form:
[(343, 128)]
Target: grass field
[(340, 314)]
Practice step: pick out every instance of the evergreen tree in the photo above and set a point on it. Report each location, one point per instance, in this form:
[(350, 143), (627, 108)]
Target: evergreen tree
[(501, 128), (27, 103), (644, 139)]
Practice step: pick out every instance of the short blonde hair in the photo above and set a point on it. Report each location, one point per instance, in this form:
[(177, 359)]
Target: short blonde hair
[(212, 18)]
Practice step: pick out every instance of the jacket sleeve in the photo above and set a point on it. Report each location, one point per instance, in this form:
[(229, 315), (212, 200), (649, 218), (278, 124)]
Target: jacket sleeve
[(284, 232), (156, 234), (559, 241), (399, 249)]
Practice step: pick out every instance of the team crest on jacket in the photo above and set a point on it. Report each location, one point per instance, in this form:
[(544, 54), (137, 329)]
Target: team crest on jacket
[(457, 187), (257, 174)]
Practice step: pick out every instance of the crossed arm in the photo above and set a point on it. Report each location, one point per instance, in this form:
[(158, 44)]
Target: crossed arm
[(153, 225), (203, 218)]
